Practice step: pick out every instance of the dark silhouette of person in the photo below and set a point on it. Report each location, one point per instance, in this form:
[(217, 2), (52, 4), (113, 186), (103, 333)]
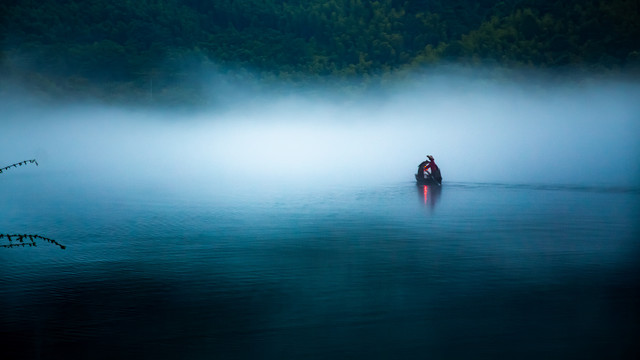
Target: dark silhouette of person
[(422, 168), (435, 170)]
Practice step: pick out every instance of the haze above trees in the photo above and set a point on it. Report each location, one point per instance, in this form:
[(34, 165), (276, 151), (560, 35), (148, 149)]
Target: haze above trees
[(136, 47)]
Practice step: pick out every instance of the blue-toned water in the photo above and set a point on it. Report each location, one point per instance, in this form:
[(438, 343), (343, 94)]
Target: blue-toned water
[(394, 271)]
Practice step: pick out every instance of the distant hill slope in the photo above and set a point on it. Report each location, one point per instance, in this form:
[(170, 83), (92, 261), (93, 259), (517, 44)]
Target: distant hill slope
[(130, 42)]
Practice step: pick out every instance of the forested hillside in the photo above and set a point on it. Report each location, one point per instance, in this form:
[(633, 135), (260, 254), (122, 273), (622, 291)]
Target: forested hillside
[(132, 42)]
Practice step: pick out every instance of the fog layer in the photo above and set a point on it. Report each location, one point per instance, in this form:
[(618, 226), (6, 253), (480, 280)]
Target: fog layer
[(477, 131)]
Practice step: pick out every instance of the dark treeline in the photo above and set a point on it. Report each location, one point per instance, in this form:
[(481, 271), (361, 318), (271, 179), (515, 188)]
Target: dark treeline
[(130, 43)]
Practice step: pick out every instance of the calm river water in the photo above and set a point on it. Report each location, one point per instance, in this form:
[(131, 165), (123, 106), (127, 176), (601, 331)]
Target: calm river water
[(393, 271)]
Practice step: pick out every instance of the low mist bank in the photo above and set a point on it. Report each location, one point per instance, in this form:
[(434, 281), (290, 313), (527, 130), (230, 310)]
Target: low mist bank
[(478, 131)]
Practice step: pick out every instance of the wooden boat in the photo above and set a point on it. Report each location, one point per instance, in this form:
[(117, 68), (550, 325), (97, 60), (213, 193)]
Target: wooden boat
[(429, 180)]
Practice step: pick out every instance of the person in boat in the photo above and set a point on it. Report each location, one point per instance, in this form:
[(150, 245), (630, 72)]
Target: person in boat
[(422, 168), (435, 170)]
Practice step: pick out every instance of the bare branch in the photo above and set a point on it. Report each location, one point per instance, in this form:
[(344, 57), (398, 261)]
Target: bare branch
[(23, 240), (25, 162)]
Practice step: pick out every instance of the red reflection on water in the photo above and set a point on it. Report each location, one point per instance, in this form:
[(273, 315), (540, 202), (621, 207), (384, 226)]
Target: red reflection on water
[(426, 192)]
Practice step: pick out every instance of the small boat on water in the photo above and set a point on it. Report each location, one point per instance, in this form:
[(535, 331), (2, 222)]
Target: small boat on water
[(428, 173)]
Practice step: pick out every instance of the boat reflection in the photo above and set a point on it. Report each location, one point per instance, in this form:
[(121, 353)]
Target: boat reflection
[(429, 194)]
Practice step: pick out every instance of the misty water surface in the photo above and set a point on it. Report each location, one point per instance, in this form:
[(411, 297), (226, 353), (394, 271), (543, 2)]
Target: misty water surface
[(292, 228)]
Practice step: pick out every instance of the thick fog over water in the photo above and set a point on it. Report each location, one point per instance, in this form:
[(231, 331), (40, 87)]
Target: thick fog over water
[(478, 131)]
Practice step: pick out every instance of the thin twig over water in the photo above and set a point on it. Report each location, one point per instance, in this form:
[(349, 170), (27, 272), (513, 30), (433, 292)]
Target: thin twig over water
[(23, 240), (25, 162)]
